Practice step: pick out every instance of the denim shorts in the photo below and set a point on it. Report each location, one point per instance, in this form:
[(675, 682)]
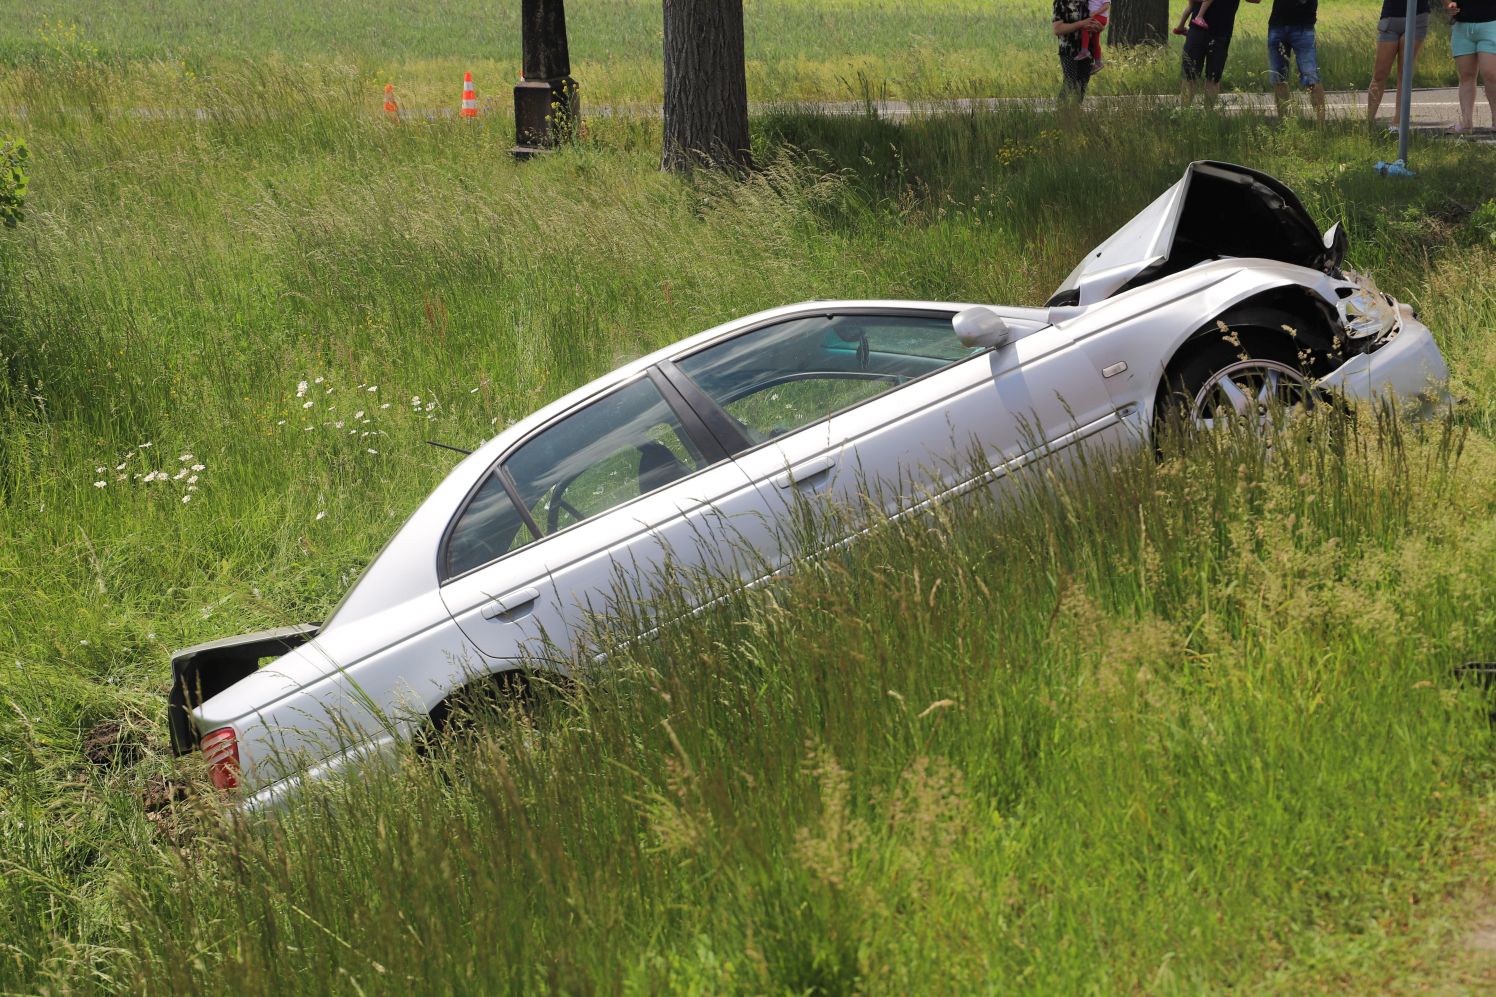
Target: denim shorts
[(1298, 39), (1466, 38), (1391, 29)]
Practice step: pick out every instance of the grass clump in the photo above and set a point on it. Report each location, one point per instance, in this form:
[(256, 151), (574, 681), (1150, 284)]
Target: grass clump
[(1174, 726)]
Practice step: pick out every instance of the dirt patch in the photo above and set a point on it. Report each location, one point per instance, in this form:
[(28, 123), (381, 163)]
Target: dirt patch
[(112, 744), (1482, 937), (167, 805)]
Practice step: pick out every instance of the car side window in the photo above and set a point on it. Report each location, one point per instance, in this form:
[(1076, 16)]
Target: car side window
[(620, 447), (488, 528), (782, 377)]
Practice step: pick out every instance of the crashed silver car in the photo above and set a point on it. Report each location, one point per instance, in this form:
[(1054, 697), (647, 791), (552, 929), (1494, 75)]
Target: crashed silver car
[(699, 454)]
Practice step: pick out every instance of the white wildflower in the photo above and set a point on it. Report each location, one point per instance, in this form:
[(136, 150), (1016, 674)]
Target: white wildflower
[(100, 470), (120, 466), (338, 424), (322, 514), (301, 389), (101, 484), (186, 499), (373, 388), (307, 404), (180, 474), (282, 422), (474, 391), (145, 445), (83, 642), (192, 480), (359, 414), (185, 457), (385, 405), (319, 380), (373, 451), (415, 399), (199, 467)]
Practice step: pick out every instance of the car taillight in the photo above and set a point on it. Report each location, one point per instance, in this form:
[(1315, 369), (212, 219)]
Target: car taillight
[(221, 748)]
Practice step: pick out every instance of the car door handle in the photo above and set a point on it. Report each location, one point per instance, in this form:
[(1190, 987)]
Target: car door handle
[(506, 604), (801, 473)]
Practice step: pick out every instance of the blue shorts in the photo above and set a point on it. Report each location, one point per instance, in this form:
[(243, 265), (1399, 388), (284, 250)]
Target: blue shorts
[(1467, 39), (1298, 39)]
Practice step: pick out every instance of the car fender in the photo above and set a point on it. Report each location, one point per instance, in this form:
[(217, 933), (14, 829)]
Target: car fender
[(1137, 333)]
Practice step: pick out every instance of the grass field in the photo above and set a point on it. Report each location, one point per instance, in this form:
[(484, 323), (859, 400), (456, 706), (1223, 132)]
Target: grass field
[(175, 52), (1191, 726)]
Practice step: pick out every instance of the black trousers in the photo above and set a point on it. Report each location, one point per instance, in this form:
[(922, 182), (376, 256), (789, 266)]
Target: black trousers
[(1077, 76)]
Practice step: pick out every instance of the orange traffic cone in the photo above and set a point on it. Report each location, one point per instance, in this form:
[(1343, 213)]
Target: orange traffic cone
[(469, 99), (390, 107)]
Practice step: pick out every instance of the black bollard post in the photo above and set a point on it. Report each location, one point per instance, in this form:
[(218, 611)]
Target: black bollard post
[(547, 108)]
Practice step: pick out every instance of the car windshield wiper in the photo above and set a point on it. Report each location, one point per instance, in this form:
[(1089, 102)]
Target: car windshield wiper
[(448, 446)]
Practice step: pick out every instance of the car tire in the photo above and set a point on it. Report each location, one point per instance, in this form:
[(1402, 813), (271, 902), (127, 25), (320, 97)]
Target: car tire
[(1222, 379)]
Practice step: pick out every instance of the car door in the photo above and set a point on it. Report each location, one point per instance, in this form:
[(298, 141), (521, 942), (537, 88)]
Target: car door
[(884, 410), (601, 504)]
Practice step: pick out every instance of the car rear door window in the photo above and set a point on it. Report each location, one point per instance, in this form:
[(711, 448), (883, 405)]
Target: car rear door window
[(620, 447), (488, 528), (781, 377)]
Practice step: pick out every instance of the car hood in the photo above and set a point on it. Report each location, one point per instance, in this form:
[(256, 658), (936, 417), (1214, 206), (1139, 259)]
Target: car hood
[(1215, 210)]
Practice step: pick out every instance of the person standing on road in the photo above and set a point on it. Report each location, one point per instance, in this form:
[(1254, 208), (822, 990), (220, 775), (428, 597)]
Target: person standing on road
[(1290, 30), (1071, 17), (1472, 42), (1205, 50), (1390, 31)]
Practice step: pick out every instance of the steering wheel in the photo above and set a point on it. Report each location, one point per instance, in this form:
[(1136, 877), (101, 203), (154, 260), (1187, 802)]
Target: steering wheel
[(558, 504)]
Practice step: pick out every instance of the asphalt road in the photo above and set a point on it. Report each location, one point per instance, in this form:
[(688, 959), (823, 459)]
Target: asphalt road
[(1433, 109)]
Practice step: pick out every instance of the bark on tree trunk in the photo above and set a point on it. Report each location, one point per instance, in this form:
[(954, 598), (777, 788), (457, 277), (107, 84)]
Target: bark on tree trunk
[(706, 85), (1139, 22)]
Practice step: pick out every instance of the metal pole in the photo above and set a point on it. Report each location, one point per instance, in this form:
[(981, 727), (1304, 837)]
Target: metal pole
[(1405, 87)]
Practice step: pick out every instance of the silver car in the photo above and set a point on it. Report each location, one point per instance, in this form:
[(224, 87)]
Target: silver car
[(1219, 298)]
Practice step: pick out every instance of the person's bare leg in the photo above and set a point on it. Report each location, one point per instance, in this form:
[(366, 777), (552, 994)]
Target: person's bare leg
[(1317, 100), (1387, 53), (1465, 65), (1213, 91), (1487, 63), (1187, 93), (1280, 98)]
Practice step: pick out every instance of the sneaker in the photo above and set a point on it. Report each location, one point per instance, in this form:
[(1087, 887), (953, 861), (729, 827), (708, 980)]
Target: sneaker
[(1098, 67), (1199, 22), (1083, 55)]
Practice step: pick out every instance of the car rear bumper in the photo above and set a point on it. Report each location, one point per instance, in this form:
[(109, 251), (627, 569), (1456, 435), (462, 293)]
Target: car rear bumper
[(278, 793)]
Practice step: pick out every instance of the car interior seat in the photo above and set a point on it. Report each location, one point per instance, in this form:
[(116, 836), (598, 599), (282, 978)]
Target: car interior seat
[(658, 467)]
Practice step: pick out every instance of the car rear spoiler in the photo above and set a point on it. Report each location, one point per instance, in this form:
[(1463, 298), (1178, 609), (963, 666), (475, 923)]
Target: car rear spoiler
[(203, 671)]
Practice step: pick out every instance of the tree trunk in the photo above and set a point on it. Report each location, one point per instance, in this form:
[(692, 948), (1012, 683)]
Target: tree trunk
[(1139, 22), (706, 86)]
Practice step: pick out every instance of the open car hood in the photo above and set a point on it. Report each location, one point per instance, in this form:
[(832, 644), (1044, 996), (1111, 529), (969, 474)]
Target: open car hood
[(1215, 210)]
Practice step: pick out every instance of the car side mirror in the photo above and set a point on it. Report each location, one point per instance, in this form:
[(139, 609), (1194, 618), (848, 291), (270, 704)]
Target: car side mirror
[(980, 327), (1335, 244)]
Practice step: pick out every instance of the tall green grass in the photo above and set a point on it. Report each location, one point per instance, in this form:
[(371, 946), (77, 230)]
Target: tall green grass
[(1260, 803), (1177, 727)]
